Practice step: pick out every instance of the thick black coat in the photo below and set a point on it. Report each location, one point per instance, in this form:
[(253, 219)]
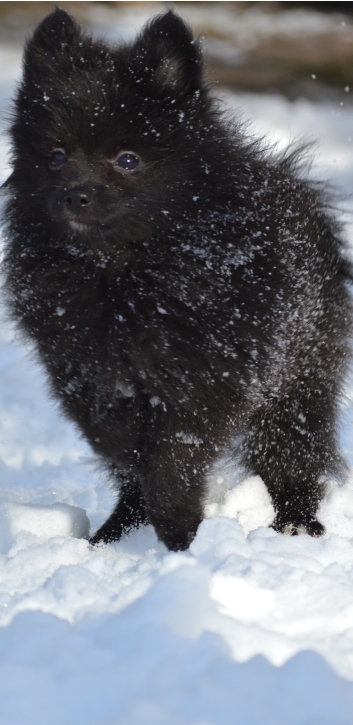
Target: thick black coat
[(184, 288)]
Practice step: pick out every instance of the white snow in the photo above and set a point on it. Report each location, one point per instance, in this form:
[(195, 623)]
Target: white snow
[(248, 627)]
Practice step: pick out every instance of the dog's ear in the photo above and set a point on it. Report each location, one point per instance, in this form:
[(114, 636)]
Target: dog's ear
[(52, 40), (167, 52)]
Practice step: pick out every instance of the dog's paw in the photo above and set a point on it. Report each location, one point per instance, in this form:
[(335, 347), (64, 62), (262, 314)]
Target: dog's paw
[(313, 528)]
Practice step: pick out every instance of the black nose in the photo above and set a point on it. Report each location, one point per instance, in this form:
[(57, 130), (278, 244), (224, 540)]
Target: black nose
[(77, 199)]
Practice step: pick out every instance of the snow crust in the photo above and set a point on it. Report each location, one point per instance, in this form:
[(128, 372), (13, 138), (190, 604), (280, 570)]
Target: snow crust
[(247, 627)]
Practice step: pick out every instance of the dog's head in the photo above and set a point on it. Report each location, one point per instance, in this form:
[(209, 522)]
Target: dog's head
[(106, 140)]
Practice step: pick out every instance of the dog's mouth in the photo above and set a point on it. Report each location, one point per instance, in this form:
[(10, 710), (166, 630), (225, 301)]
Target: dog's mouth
[(84, 227), (78, 226)]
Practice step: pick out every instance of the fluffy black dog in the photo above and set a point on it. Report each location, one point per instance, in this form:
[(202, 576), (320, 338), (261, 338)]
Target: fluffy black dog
[(183, 286)]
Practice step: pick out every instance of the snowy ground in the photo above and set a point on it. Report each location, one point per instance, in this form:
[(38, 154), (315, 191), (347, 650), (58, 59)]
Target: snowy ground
[(247, 628)]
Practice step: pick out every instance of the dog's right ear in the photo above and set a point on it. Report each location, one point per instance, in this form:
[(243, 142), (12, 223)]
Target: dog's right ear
[(167, 56), (50, 44)]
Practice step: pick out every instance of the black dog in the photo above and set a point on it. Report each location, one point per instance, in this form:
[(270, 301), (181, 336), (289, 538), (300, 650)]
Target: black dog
[(182, 285)]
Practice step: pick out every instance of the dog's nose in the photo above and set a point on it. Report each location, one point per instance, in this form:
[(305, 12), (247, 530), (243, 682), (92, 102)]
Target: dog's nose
[(77, 199)]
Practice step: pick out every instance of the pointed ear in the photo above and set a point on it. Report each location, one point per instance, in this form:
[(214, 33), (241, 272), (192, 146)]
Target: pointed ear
[(167, 49), (53, 37)]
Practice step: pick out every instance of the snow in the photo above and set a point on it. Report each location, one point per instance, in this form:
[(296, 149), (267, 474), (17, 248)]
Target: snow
[(247, 627)]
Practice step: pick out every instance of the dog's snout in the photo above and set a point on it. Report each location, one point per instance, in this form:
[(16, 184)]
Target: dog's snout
[(77, 199)]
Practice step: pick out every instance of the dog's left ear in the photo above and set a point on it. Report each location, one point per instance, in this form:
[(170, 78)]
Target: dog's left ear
[(167, 52)]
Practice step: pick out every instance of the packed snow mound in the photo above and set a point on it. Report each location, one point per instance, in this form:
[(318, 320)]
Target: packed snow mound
[(42, 522), (131, 634)]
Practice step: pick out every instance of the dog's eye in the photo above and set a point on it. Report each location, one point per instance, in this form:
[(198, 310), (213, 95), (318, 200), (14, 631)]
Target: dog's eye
[(128, 161), (57, 158)]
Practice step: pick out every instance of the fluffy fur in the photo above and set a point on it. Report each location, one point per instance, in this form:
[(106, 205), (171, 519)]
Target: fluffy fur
[(175, 305)]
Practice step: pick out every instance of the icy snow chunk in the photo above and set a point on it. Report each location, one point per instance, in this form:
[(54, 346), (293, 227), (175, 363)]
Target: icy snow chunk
[(249, 502), (45, 522)]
